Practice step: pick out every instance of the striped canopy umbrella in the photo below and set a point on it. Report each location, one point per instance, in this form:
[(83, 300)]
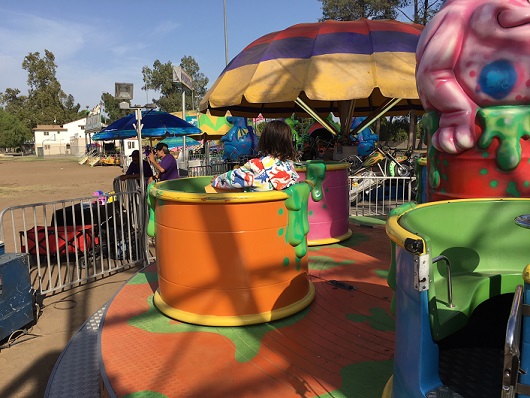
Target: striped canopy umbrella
[(346, 67)]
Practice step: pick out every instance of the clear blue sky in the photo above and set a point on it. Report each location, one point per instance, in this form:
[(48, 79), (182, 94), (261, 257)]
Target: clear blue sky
[(97, 43)]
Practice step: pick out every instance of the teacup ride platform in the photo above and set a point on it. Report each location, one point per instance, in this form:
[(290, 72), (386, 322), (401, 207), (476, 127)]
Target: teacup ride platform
[(340, 345), (328, 333)]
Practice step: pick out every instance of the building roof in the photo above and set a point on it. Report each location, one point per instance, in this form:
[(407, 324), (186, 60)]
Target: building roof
[(48, 127)]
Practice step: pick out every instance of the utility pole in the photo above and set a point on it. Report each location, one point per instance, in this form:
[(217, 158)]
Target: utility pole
[(226, 33)]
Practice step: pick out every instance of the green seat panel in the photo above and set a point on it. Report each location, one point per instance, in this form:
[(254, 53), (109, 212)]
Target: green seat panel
[(486, 249)]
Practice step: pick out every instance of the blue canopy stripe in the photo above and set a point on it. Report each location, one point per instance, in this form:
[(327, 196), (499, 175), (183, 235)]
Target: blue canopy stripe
[(155, 124)]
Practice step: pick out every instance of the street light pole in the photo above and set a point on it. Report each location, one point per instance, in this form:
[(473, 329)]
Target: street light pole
[(184, 154), (226, 33), (139, 125)]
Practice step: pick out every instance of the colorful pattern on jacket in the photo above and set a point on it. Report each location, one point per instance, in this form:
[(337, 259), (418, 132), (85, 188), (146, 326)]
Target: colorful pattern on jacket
[(259, 174)]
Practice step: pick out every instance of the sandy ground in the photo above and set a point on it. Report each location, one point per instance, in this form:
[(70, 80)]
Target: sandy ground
[(26, 365), (25, 180)]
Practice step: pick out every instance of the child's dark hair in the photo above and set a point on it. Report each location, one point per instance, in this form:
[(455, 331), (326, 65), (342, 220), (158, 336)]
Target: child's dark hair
[(277, 140)]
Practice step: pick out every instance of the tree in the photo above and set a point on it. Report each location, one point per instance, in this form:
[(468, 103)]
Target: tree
[(160, 79), (191, 67), (46, 102), (349, 10), (112, 108), (13, 133)]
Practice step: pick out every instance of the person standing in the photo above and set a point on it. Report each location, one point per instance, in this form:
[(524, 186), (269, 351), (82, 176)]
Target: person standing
[(166, 169), (133, 172)]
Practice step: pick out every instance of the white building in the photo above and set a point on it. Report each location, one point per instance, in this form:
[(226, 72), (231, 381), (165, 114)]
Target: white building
[(68, 139)]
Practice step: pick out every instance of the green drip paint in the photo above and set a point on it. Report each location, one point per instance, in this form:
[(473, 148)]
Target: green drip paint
[(483, 171), (430, 122), (311, 213), (484, 154), (298, 224), (246, 339), (151, 204), (494, 183), (316, 171), (379, 319), (511, 190), (297, 204), (280, 211), (281, 231), (286, 261), (324, 206), (526, 184), (508, 124)]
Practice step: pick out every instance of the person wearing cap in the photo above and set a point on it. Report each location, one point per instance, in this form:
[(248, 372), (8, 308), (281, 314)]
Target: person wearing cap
[(167, 167), (133, 171)]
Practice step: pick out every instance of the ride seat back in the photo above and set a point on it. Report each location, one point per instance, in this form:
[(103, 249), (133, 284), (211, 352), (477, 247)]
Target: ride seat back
[(486, 249)]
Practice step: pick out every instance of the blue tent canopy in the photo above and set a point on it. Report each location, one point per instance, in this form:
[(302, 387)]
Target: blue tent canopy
[(174, 142), (155, 124)]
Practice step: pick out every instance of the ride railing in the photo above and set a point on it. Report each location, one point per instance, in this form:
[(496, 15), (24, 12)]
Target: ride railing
[(372, 194), (512, 351), (208, 170), (70, 242)]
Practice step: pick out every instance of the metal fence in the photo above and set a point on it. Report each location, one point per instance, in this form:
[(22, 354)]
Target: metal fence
[(208, 170), (75, 240), (72, 241), (373, 195)]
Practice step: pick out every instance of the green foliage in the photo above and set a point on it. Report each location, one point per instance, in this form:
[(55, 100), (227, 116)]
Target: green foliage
[(46, 102), (13, 133), (348, 10), (112, 109), (160, 79), (394, 129)]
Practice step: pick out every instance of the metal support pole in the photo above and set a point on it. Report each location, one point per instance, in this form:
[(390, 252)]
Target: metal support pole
[(226, 33), (142, 216), (185, 154)]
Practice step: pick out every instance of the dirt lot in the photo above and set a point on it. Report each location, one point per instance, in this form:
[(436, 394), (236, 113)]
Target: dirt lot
[(25, 180), (26, 365)]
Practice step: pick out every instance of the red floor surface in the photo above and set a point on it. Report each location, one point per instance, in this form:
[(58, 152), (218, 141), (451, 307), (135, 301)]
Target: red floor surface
[(342, 345)]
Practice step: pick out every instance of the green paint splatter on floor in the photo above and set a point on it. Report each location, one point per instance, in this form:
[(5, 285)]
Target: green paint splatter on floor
[(354, 240), (324, 262), (142, 278), (145, 394), (363, 380), (379, 319), (247, 339), (382, 273)]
